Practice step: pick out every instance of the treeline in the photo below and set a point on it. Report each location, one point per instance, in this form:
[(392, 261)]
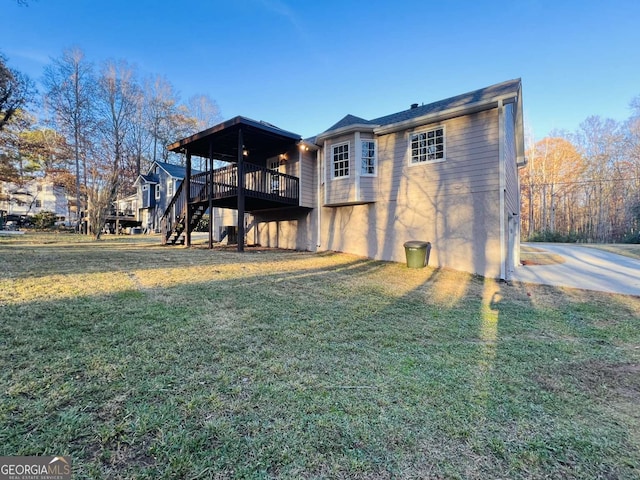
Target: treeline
[(584, 186), (93, 127)]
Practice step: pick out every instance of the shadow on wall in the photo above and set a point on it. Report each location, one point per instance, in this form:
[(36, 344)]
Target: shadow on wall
[(454, 204)]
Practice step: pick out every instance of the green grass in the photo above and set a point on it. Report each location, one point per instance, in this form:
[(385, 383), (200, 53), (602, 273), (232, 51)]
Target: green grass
[(140, 361)]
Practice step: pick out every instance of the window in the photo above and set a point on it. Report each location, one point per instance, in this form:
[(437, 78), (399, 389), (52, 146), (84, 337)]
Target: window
[(340, 160), (427, 146), (368, 157), (157, 192), (38, 204), (170, 188)]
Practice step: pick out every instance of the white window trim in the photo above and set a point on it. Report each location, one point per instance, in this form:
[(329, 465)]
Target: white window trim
[(333, 170), (375, 158), (157, 193), (170, 187), (427, 130)]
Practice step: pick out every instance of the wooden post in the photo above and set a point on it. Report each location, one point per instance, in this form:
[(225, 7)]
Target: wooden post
[(210, 193), (240, 192), (187, 193)]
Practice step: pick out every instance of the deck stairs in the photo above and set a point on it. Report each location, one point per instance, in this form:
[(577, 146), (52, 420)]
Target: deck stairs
[(219, 188), (175, 235)]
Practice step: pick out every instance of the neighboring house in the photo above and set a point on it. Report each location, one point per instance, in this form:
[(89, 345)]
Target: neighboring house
[(155, 190), (35, 196), (445, 172), (123, 215)]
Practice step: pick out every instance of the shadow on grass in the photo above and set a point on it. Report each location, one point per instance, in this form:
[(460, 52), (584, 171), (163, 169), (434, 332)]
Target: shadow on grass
[(350, 368)]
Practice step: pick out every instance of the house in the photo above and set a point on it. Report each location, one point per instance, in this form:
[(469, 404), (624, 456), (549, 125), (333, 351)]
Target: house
[(19, 201), (155, 190), (123, 215), (445, 172)]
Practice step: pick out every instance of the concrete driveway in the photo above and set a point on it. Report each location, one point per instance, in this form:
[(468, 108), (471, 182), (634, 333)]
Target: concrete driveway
[(586, 268)]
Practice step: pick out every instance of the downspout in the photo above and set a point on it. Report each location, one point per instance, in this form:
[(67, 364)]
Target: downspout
[(521, 161), (503, 250), (318, 200)]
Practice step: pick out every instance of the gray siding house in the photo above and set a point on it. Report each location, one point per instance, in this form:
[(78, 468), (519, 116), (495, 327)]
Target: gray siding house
[(445, 172), (155, 189)]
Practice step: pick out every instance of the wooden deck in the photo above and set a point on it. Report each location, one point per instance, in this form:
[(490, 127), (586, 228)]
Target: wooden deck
[(263, 189)]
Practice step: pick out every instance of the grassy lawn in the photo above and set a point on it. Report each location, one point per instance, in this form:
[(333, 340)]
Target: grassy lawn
[(140, 361), (628, 250), (535, 256)]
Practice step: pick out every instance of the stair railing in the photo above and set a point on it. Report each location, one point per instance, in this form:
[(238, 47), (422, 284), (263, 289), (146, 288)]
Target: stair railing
[(172, 213)]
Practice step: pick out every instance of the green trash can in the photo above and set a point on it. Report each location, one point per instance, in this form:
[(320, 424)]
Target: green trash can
[(417, 253)]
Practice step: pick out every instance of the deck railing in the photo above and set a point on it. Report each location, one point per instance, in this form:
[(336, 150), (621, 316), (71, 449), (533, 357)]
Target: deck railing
[(259, 182)]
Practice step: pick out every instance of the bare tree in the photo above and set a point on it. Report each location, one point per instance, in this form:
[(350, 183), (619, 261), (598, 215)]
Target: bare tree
[(161, 108), (69, 83), (204, 111), (600, 142), (116, 101), (139, 138)]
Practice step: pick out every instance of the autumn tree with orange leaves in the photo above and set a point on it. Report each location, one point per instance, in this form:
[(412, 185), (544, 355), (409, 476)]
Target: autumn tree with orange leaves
[(584, 186)]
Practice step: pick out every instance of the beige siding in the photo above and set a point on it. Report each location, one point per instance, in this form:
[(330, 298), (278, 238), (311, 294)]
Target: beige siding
[(453, 204), (308, 179), (471, 159), (368, 189), (224, 217), (295, 230), (301, 164)]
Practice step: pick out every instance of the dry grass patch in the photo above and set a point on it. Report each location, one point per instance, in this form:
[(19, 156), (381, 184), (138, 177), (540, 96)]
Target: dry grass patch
[(537, 256)]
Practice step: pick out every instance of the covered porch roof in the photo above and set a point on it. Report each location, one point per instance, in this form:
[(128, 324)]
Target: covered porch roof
[(260, 139)]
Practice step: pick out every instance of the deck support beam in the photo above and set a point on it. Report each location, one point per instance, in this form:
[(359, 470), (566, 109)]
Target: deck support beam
[(210, 195), (240, 191), (187, 192)]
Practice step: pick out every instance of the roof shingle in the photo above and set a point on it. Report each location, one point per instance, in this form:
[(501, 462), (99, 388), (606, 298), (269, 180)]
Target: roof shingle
[(465, 99)]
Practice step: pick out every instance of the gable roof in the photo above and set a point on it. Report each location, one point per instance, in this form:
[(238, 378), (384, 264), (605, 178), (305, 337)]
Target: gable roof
[(347, 121), (465, 99), (463, 103), (146, 178), (175, 171)]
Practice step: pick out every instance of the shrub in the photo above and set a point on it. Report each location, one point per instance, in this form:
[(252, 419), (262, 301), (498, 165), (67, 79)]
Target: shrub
[(556, 237), (43, 220), (203, 224), (631, 238)]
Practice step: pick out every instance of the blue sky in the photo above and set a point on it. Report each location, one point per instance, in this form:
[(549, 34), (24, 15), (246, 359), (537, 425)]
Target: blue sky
[(303, 65)]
